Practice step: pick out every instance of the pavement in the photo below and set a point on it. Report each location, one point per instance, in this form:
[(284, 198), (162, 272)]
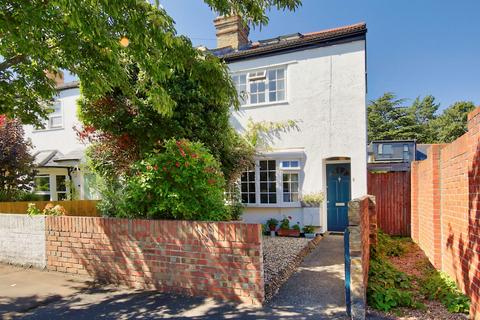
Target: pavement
[(315, 291)]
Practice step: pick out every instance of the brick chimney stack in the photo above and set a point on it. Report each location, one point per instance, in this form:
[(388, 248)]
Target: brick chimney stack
[(231, 31), (56, 76)]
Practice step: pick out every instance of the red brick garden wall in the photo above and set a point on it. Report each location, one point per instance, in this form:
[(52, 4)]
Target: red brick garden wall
[(221, 259), (446, 209)]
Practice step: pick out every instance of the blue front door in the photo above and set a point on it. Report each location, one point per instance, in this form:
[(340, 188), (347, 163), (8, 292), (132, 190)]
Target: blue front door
[(338, 195)]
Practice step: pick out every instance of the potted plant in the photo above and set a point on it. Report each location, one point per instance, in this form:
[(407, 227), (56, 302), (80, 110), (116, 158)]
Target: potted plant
[(313, 199), (272, 225), (309, 231)]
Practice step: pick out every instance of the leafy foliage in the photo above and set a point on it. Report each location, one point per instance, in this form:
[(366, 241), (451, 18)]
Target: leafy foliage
[(313, 199), (17, 169), (182, 182), (439, 286), (285, 224), (49, 210), (389, 246), (93, 40), (308, 229), (389, 119), (388, 288)]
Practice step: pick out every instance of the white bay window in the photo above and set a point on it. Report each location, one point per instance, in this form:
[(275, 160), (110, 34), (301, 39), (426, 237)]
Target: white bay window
[(272, 182)]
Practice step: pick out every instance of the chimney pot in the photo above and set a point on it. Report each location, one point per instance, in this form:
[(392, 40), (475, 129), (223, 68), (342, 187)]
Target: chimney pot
[(231, 31)]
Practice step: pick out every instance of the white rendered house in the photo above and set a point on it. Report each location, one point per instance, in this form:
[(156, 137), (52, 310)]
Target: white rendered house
[(317, 80)]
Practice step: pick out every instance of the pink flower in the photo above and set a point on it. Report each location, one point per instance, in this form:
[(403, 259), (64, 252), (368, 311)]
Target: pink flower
[(177, 164)]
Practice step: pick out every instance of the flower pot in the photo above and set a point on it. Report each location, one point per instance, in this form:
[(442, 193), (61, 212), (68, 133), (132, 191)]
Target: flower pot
[(288, 232), (272, 233), (310, 235)]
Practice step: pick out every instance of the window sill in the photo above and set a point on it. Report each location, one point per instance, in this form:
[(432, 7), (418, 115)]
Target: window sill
[(47, 130), (265, 104), (273, 205)]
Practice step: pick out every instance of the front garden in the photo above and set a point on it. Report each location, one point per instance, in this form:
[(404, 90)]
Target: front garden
[(404, 285)]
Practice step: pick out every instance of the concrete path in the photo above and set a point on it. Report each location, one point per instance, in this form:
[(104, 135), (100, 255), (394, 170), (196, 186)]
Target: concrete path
[(315, 291)]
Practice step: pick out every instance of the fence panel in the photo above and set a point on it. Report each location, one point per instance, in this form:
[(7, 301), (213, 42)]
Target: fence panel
[(84, 208), (392, 193)]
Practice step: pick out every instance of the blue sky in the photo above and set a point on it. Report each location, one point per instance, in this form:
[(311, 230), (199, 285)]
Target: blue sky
[(415, 47)]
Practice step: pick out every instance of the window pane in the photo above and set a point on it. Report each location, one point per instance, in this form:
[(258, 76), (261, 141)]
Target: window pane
[(55, 122), (56, 109), (272, 176), (272, 198), (263, 165), (251, 198), (44, 197), (294, 177), (280, 84), (280, 95), (272, 86), (248, 186), (61, 196), (271, 165), (264, 198), (253, 99), (61, 183), (244, 187), (261, 98), (272, 74), (294, 164), (286, 197), (272, 96), (42, 183), (263, 187), (280, 73)]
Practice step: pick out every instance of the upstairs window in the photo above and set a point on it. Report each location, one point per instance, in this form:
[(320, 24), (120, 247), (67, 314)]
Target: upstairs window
[(54, 117), (261, 86)]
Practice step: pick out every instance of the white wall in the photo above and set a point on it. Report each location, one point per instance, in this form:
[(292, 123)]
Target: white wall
[(326, 94), (64, 139), (22, 240)]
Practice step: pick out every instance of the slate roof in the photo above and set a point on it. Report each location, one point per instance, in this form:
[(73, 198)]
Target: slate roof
[(292, 41)]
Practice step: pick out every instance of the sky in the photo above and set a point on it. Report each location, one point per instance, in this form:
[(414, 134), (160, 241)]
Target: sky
[(414, 47)]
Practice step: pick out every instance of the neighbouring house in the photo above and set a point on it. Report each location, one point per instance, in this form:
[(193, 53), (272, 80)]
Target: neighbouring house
[(391, 155), (317, 80), (58, 153)]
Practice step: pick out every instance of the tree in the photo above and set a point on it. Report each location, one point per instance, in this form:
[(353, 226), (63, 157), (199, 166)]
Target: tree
[(388, 119), (94, 40), (452, 123), (16, 163)]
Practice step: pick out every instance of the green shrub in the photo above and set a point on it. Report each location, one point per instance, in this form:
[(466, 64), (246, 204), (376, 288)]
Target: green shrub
[(182, 182), (32, 210), (439, 286), (390, 246), (296, 227), (388, 287)]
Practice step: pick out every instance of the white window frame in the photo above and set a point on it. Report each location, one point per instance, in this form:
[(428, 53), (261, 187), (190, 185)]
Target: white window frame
[(53, 190), (258, 75), (47, 122), (279, 183)]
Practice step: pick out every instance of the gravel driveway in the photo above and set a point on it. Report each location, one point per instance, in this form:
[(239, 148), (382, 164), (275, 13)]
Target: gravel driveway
[(281, 256)]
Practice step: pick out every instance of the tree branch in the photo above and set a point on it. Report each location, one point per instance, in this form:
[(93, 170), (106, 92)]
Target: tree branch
[(11, 62)]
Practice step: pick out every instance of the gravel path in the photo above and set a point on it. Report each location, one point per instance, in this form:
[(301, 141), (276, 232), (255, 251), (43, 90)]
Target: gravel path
[(281, 256)]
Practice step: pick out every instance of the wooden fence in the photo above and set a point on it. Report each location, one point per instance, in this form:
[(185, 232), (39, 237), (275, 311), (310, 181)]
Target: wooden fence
[(392, 192), (84, 208)]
